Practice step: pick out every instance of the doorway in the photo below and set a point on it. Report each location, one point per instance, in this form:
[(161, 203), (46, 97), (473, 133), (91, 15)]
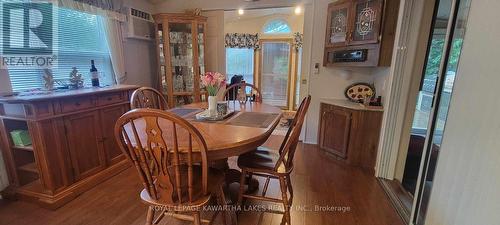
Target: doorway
[(264, 47), (275, 71), (428, 119)]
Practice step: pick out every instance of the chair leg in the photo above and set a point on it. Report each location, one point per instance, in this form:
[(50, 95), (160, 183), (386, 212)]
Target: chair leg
[(150, 215), (242, 187), (290, 188), (222, 202), (284, 196), (197, 218)]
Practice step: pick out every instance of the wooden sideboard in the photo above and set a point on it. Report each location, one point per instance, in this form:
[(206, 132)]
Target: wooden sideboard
[(73, 146), (350, 132)]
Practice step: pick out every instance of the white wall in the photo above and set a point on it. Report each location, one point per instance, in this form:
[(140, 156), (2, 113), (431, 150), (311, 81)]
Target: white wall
[(4, 81), (140, 62), (214, 46), (140, 56), (467, 184)]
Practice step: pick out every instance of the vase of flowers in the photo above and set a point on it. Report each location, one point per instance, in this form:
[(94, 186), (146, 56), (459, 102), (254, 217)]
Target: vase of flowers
[(213, 82)]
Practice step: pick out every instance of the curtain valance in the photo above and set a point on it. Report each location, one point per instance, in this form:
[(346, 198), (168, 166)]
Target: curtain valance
[(107, 8), (298, 40), (239, 40)]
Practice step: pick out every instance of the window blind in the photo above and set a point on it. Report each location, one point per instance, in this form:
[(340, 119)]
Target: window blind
[(80, 38), (240, 61)]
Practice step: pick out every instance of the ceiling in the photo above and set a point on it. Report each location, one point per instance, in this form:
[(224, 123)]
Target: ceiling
[(232, 15)]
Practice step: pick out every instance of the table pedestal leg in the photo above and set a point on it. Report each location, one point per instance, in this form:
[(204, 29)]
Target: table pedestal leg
[(233, 175)]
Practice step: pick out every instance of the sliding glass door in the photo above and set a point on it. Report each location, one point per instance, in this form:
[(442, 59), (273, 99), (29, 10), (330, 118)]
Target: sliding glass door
[(275, 69), (443, 53)]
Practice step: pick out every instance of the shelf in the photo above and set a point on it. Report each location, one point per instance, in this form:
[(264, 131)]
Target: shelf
[(23, 148), (30, 167)]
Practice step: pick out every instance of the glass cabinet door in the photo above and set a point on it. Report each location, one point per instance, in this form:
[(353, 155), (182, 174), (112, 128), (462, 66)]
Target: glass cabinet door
[(338, 25), (181, 58), (161, 52), (201, 57), (367, 21)]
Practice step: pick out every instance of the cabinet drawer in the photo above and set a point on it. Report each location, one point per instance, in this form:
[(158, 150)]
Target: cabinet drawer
[(75, 104), (111, 98)]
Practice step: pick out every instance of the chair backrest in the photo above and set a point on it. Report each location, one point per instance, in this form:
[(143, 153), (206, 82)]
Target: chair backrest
[(146, 97), (164, 148), (231, 93), (289, 145)]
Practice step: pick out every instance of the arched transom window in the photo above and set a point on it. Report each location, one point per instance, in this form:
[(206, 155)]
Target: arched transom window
[(277, 26)]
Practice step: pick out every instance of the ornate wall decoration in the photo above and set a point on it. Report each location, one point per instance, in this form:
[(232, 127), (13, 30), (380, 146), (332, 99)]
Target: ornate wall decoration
[(239, 40), (298, 40)]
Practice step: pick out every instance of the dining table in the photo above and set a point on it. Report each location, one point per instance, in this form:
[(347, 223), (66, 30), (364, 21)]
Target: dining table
[(248, 127)]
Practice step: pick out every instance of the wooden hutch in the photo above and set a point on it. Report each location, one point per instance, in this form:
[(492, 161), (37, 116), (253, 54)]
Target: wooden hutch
[(180, 41), (72, 142), (360, 33)]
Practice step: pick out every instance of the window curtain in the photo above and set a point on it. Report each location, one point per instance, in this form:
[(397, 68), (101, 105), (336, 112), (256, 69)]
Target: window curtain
[(110, 10), (115, 42), (298, 40), (239, 40)]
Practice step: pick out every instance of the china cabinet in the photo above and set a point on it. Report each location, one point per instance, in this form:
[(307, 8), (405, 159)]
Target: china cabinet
[(360, 32), (181, 56)]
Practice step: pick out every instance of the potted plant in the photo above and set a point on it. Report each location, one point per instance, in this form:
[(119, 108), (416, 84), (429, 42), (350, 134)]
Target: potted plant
[(213, 82)]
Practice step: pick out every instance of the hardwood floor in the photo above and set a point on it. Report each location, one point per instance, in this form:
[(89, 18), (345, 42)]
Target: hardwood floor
[(318, 180)]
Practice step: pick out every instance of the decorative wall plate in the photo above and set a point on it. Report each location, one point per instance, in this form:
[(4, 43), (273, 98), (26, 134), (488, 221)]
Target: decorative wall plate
[(356, 92)]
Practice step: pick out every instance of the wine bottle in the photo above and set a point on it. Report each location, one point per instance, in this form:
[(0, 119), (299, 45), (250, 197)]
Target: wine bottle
[(94, 74)]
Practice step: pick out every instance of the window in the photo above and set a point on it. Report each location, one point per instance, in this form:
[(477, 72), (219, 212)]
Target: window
[(277, 26), (239, 61), (81, 38)]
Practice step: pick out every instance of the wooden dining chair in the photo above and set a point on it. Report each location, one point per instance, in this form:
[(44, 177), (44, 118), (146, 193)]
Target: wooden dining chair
[(146, 97), (170, 156), (231, 93), (273, 164)]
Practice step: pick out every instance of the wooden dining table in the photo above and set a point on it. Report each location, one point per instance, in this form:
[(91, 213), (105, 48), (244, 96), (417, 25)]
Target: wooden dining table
[(228, 138), (233, 136)]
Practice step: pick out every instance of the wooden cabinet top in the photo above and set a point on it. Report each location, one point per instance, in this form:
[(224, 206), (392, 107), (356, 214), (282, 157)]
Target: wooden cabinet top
[(26, 97), (348, 104)]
